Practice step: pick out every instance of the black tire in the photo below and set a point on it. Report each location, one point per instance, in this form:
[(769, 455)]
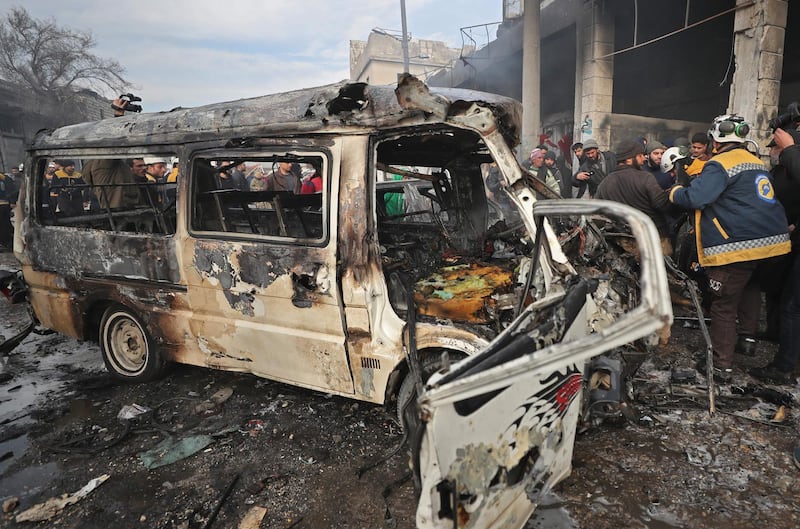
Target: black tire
[(128, 351), (431, 363)]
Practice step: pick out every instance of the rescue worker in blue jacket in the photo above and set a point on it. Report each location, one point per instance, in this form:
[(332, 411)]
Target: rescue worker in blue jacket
[(738, 224)]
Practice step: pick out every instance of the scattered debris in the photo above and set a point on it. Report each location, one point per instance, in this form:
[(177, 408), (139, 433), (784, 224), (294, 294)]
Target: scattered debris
[(255, 427), (45, 511), (252, 518), (91, 439), (211, 406), (780, 415), (169, 451), (10, 504), (294, 523), (221, 500), (225, 431), (131, 411), (774, 396), (699, 455), (258, 486), (683, 375)]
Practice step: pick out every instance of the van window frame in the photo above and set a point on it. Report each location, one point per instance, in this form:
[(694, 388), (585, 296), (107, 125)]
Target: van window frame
[(39, 159), (260, 152)]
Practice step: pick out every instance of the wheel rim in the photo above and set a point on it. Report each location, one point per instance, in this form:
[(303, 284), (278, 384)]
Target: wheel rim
[(127, 344)]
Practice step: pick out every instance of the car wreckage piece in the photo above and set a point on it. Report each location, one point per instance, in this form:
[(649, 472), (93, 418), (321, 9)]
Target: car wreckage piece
[(496, 431)]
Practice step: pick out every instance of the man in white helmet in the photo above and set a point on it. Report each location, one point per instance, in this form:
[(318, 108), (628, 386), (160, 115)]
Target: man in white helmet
[(738, 224), (155, 173)]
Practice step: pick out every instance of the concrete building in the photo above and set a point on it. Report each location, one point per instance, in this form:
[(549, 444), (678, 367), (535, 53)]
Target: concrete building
[(379, 59), (611, 69)]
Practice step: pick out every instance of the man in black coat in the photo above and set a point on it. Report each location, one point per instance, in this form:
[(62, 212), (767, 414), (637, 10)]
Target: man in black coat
[(630, 185), (786, 275)]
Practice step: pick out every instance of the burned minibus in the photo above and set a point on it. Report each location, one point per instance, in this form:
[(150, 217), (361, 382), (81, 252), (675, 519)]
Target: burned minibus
[(343, 239)]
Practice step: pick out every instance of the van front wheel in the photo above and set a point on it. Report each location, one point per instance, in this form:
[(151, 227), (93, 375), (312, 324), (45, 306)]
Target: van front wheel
[(430, 363), (128, 351)]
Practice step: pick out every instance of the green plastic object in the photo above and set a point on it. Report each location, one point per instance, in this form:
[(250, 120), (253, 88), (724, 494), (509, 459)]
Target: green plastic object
[(169, 450)]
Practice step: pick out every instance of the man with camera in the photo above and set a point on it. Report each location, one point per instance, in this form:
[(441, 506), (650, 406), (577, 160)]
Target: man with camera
[(593, 170), (125, 103), (107, 174), (738, 225)]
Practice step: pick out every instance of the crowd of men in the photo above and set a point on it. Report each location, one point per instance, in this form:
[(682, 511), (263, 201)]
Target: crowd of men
[(740, 214), (739, 218)]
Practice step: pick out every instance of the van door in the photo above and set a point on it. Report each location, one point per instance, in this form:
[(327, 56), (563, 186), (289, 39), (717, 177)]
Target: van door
[(497, 430), (260, 265)]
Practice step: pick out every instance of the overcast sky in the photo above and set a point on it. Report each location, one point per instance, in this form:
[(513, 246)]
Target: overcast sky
[(189, 53)]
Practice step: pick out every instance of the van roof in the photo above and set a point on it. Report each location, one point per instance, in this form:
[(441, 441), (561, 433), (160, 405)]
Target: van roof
[(336, 108)]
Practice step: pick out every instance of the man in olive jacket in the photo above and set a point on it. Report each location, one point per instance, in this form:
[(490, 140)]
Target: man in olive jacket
[(739, 223)]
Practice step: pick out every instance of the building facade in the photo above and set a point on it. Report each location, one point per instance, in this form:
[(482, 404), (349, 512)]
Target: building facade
[(614, 68), (379, 59)]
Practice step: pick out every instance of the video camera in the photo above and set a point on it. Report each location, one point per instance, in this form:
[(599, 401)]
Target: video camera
[(787, 120), (128, 100)]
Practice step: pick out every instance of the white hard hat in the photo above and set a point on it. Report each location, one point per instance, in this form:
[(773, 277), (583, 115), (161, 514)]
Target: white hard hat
[(729, 128), (669, 158), (150, 160)]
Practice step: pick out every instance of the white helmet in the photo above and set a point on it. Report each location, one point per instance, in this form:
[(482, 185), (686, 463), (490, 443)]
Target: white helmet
[(670, 156), (729, 128)]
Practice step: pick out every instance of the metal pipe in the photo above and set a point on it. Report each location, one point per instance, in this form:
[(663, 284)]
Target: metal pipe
[(405, 35)]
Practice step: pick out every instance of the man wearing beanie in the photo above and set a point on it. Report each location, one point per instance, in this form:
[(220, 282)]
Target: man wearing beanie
[(555, 178), (654, 150), (630, 185)]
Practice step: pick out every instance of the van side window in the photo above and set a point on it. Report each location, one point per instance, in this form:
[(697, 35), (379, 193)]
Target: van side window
[(111, 194), (281, 197)]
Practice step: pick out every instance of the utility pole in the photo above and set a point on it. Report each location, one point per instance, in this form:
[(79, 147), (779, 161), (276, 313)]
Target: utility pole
[(405, 35), (531, 92)]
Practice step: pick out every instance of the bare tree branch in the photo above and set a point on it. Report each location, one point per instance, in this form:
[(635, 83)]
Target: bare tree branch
[(51, 60)]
